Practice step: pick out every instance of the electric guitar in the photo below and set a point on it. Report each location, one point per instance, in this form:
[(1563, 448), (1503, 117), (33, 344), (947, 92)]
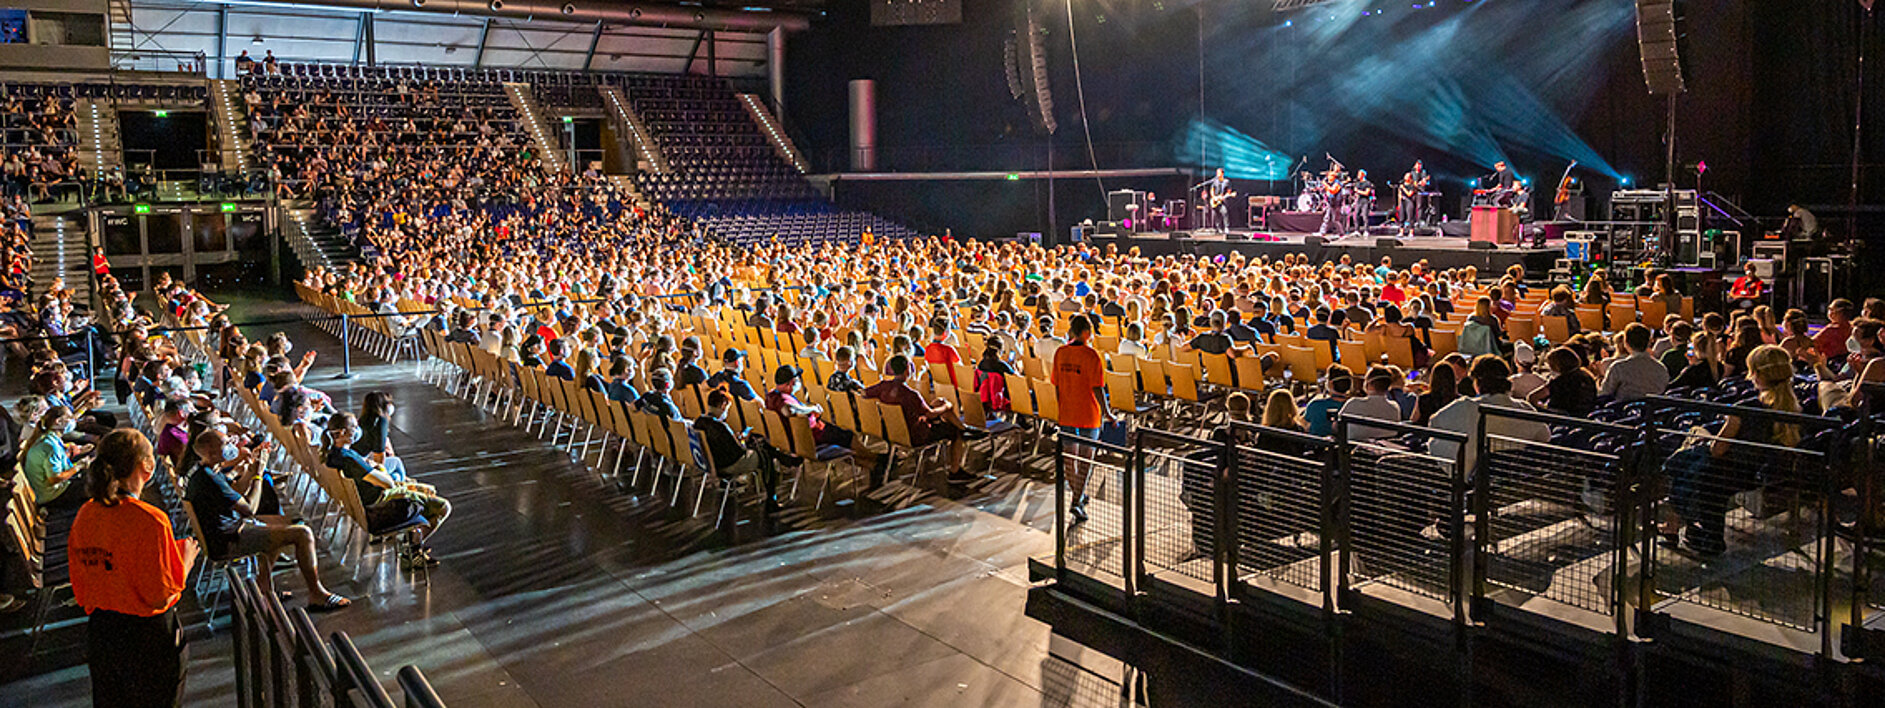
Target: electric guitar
[(1218, 200)]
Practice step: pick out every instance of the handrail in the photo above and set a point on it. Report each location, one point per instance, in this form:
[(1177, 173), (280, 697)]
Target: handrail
[(419, 693), (358, 675)]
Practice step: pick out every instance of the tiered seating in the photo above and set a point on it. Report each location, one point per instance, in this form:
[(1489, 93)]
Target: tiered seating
[(581, 96), (727, 174)]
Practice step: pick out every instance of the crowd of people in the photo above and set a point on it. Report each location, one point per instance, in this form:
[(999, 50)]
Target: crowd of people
[(39, 151), (890, 310)]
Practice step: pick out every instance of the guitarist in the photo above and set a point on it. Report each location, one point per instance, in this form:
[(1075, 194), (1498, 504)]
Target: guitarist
[(1218, 192)]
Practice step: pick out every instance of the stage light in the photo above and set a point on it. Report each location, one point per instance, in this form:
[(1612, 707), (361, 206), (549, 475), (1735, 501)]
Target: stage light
[(161, 114), (1626, 180), (1472, 183), (1014, 176)]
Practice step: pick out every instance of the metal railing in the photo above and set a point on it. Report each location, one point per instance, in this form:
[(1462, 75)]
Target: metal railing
[(1559, 519), (281, 661)]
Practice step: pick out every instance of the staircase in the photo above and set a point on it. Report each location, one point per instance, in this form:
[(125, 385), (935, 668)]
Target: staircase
[(626, 122), (541, 142), (232, 124), (60, 250), (100, 148), (122, 36), (627, 184), (775, 133), (315, 243)]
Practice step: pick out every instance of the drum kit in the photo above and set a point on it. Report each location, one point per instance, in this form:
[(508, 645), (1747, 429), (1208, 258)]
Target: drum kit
[(1345, 201)]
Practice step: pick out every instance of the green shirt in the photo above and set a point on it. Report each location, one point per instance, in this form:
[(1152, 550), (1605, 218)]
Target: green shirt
[(44, 461)]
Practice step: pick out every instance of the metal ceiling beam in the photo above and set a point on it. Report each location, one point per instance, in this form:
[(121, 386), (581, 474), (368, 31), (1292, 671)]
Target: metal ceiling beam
[(594, 39), (360, 36), (222, 40), (613, 12), (484, 37), (693, 52)]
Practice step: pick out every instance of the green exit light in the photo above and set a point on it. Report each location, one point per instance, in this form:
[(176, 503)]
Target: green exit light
[(141, 208), (161, 114), (1014, 176), (229, 206), (567, 119)]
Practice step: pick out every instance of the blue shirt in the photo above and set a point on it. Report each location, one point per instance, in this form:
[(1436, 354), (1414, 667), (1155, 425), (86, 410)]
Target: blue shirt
[(43, 461), (1320, 415)]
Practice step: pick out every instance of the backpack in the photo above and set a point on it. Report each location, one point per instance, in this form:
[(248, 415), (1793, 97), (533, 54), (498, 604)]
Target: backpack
[(992, 388)]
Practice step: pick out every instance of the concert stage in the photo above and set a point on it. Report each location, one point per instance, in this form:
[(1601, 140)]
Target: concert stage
[(1439, 251)]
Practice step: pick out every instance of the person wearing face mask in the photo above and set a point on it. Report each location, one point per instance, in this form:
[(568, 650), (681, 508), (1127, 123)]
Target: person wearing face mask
[(391, 504), (225, 491), (50, 462), (376, 440)]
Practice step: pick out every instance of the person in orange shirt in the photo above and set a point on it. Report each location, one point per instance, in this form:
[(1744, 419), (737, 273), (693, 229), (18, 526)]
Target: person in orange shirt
[(128, 571), (1079, 379)]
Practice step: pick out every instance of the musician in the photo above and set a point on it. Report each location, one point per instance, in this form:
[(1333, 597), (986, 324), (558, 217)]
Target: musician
[(1412, 184), (1335, 192), (1218, 189), (1502, 178), (1363, 204)]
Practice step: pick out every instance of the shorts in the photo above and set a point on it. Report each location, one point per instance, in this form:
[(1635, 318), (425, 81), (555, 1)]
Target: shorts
[(1088, 433), (251, 538)]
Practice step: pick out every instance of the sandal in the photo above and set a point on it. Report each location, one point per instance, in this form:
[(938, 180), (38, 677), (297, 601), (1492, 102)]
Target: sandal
[(330, 603)]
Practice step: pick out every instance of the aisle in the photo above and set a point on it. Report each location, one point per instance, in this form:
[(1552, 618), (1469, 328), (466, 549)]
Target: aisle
[(558, 589)]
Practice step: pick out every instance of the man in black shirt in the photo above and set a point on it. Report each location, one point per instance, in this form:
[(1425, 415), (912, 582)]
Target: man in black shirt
[(225, 511), (731, 458), (732, 365), (1214, 341)]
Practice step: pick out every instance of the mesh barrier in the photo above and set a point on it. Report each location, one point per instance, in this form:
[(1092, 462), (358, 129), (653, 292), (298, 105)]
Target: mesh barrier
[(1750, 527), (1096, 547), (1280, 498), (1180, 525), (1401, 515), (1551, 520)]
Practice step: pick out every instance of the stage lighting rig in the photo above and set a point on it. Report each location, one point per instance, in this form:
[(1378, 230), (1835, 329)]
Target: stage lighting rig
[(1288, 5)]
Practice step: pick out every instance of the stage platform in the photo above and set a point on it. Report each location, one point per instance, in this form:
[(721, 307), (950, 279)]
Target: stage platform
[(1439, 251)]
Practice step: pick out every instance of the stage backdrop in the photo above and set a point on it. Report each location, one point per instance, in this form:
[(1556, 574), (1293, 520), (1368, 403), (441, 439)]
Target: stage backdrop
[(1376, 84)]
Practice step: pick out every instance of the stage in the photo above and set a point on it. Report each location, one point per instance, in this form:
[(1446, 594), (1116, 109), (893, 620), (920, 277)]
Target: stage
[(1440, 251)]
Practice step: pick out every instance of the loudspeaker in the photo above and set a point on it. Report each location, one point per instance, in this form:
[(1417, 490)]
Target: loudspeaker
[(1659, 39), (1237, 236), (1313, 241), (1481, 245), (1116, 203), (1387, 243), (1181, 235)]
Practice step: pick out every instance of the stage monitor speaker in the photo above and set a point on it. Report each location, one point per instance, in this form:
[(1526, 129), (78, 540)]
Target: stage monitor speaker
[(1313, 241), (1180, 235), (1387, 243), (1237, 236), (1659, 39), (1481, 245)]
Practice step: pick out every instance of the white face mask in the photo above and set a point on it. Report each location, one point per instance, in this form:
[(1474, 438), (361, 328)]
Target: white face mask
[(70, 425), (1853, 345), (231, 451)]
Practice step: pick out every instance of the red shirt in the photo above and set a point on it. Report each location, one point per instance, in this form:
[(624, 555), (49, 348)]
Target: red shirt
[(940, 353), (1746, 286)]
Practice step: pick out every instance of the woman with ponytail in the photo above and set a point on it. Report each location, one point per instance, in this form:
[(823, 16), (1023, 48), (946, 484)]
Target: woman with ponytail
[(1701, 497), (128, 571)]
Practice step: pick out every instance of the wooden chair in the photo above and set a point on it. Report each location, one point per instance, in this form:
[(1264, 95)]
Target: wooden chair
[(1354, 355), (1590, 318), (1556, 329)]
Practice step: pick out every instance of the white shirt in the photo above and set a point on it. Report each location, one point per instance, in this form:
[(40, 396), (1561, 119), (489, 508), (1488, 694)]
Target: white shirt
[(1462, 416), (1634, 377), (1525, 382), (1376, 406), (1044, 348), (1132, 348)]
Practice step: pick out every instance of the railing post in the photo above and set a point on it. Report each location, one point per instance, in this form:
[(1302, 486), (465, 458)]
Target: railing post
[(91, 357), (1060, 505), (346, 347), (1224, 547), (1131, 544)]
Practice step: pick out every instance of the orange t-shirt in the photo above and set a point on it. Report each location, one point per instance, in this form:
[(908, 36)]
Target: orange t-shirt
[(123, 558), (1077, 371)]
